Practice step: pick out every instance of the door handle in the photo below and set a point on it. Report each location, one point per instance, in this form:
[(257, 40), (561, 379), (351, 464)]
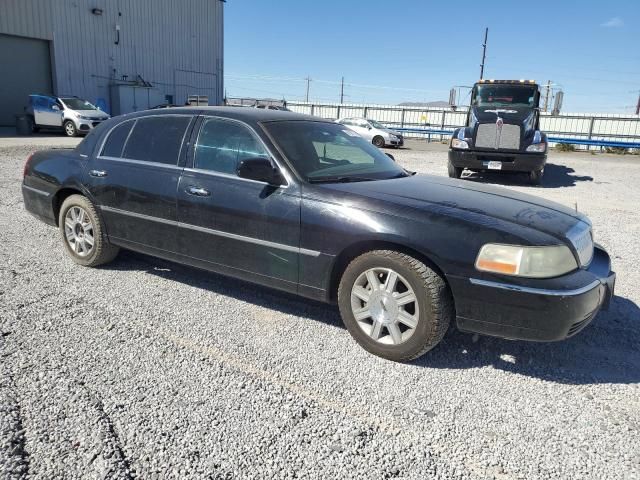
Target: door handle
[(97, 173), (198, 192)]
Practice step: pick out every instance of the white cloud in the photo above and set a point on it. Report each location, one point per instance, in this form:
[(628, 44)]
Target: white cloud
[(613, 23)]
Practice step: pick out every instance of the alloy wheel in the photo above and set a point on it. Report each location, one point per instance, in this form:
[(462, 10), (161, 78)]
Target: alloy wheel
[(385, 306), (78, 230)]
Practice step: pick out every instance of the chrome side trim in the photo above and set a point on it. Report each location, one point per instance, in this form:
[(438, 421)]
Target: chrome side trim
[(535, 291), (242, 238), (41, 192), (169, 166)]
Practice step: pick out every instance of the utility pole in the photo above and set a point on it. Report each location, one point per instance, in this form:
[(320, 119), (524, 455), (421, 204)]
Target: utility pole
[(638, 105), (484, 52), (546, 97), (308, 79), (342, 90)]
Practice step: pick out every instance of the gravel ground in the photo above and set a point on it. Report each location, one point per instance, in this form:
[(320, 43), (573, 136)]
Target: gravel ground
[(147, 369)]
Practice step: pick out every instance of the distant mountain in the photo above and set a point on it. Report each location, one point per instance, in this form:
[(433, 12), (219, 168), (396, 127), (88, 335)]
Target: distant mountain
[(424, 104)]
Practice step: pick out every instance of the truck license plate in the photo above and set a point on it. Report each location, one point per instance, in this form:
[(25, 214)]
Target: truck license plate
[(494, 165)]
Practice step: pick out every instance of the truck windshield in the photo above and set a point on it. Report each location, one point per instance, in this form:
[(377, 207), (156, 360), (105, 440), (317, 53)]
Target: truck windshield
[(324, 152), (504, 95)]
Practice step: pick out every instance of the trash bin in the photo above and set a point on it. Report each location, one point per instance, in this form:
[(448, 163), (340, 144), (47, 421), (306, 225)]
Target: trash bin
[(23, 125)]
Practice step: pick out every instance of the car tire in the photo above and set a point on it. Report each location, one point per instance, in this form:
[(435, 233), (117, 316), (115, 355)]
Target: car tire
[(378, 141), (454, 172), (32, 125), (535, 177), (405, 314), (83, 233), (70, 129)]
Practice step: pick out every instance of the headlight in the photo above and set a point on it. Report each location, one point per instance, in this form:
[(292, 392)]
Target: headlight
[(537, 147), (457, 143), (83, 117), (534, 262)]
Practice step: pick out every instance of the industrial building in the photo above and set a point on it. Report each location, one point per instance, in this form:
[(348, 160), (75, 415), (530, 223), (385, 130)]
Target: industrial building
[(121, 55)]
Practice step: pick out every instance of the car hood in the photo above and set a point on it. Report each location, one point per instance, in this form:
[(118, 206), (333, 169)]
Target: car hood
[(474, 201)]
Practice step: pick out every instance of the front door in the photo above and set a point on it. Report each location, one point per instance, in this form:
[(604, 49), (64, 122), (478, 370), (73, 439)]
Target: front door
[(242, 227), (134, 178)]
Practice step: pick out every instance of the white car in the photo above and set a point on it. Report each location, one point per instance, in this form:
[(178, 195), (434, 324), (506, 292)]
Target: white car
[(71, 114), (373, 131)]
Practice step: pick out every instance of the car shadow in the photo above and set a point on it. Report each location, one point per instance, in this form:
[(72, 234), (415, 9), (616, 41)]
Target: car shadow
[(607, 351), (555, 176)]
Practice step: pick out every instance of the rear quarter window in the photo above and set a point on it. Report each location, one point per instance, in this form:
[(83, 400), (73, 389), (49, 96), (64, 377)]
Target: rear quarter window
[(157, 139), (115, 141)]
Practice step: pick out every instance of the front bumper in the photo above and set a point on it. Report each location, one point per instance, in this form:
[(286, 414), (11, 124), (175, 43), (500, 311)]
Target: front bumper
[(87, 125), (534, 309), (396, 142), (511, 162)]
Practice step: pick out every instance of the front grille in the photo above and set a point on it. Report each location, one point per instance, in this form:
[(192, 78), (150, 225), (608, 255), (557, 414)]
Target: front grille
[(487, 136), (95, 124)]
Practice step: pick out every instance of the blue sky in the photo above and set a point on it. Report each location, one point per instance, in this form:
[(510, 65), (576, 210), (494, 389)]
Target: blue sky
[(404, 50)]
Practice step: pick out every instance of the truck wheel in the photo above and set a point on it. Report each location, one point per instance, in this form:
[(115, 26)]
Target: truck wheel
[(535, 177), (70, 129), (394, 305), (83, 233), (378, 141), (454, 172)]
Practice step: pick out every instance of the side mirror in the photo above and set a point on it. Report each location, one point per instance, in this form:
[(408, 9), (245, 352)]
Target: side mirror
[(390, 156), (369, 127), (259, 169), (55, 108)]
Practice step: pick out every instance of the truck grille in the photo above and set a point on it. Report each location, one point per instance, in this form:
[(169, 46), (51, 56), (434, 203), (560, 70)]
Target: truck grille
[(487, 136)]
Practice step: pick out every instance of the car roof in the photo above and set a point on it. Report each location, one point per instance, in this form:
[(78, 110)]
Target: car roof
[(246, 114)]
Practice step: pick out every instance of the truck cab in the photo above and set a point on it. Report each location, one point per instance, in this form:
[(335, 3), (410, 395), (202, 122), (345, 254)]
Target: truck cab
[(502, 131)]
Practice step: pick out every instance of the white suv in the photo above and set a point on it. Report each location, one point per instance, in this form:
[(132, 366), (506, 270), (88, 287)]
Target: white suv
[(373, 131), (71, 114)]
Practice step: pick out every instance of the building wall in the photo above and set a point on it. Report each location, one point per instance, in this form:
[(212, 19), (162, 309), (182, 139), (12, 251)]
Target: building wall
[(177, 46)]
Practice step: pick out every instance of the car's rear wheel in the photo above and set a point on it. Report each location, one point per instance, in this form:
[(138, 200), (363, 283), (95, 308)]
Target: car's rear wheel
[(394, 305), (454, 172), (70, 129), (535, 177), (83, 233), (378, 141), (32, 124)]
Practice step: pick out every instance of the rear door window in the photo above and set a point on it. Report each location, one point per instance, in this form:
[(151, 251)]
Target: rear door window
[(115, 141), (223, 144), (157, 139)]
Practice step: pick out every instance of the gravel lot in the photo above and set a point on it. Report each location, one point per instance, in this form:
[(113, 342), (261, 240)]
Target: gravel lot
[(147, 369)]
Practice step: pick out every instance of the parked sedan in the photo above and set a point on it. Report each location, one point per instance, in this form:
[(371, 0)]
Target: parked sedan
[(309, 207), (373, 131)]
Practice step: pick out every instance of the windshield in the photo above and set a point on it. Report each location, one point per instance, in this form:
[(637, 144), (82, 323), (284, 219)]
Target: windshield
[(78, 104), (504, 95), (321, 151), (376, 124)]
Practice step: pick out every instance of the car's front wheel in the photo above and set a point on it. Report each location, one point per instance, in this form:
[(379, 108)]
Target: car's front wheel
[(378, 141), (83, 233), (394, 305), (70, 129)]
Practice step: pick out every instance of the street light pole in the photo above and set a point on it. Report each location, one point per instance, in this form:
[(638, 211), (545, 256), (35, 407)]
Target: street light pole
[(484, 52)]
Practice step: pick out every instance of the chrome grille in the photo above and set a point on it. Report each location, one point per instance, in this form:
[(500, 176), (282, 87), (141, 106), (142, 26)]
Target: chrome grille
[(487, 136), (582, 239)]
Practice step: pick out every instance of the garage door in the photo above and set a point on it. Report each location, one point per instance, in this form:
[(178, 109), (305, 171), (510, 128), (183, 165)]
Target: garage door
[(26, 68)]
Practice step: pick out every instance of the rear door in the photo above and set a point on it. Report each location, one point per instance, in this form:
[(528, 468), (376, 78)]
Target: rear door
[(47, 111), (134, 179), (243, 227)]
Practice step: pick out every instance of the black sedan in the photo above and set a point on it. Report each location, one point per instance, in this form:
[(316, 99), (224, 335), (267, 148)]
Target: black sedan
[(308, 206)]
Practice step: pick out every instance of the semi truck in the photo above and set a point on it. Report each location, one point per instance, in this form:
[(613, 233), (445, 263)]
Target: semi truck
[(502, 131)]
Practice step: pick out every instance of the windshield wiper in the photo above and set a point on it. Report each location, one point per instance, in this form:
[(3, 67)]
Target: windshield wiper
[(340, 179)]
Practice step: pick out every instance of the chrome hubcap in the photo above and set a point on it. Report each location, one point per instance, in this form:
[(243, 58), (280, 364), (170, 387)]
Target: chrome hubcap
[(69, 128), (385, 306), (78, 230)]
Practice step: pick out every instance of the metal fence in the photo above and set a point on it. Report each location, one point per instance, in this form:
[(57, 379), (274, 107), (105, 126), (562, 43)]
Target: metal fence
[(583, 130)]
